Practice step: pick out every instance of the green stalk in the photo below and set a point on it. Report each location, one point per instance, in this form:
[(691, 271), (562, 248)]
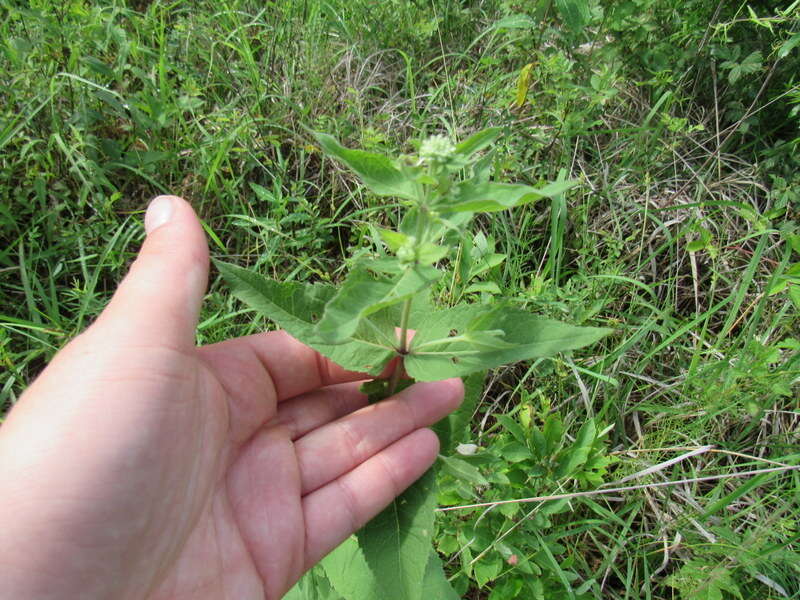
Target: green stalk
[(403, 349), (422, 230)]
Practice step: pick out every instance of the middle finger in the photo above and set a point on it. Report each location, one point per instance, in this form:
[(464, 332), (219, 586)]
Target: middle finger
[(338, 447)]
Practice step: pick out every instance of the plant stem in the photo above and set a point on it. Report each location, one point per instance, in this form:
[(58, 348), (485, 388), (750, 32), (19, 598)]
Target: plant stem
[(403, 349), (422, 230), (395, 378)]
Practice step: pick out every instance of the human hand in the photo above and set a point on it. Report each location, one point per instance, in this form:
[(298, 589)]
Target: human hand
[(140, 466)]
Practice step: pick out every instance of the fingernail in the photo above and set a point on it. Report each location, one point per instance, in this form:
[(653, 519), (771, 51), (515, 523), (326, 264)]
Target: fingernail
[(158, 213)]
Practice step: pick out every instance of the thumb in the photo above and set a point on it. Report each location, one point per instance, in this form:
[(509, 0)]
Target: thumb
[(158, 302)]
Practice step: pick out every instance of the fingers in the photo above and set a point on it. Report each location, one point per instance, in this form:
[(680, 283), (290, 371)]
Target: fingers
[(292, 367), (341, 507), (159, 300), (334, 449), (314, 409)]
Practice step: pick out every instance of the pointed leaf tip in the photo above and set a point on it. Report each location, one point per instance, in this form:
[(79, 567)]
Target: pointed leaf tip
[(376, 170)]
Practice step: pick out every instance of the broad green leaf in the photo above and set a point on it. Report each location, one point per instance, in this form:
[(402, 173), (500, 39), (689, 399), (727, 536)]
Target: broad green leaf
[(296, 307), (397, 543), (362, 295), (435, 585), (394, 240), (461, 469), (384, 265), (440, 350), (478, 141), (375, 170), (348, 572), (491, 197), (314, 585), (574, 13), (429, 254), (487, 569), (488, 340), (508, 588), (515, 452)]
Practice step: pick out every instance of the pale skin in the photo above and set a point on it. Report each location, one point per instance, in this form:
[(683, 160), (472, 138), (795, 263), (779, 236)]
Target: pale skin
[(138, 465)]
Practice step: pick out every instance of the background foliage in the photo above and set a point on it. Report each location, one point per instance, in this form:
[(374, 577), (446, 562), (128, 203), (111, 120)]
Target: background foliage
[(679, 118)]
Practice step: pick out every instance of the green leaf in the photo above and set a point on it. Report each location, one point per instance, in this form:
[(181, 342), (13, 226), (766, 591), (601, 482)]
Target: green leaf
[(511, 426), (488, 340), (478, 141), (461, 469), (700, 580), (348, 572), (435, 585), (515, 452), (789, 45), (486, 570), (750, 64), (429, 253), (514, 21), (397, 543), (486, 287), (440, 350), (523, 84), (794, 295), (777, 287), (696, 245), (553, 431), (454, 429), (362, 295), (508, 588), (376, 170), (394, 240), (314, 585), (490, 197), (296, 307), (577, 454), (575, 13)]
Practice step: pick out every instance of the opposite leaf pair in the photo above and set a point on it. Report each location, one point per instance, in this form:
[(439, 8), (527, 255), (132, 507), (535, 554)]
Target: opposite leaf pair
[(357, 324)]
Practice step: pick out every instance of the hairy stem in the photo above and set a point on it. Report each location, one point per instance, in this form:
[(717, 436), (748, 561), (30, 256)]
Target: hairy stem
[(403, 349), (396, 374), (422, 230)]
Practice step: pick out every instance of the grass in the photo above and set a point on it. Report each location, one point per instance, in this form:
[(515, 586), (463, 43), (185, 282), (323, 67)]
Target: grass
[(678, 237)]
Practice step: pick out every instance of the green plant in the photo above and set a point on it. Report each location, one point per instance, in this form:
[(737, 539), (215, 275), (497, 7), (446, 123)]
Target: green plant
[(383, 311)]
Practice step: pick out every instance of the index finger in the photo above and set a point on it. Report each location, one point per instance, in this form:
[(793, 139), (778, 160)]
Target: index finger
[(293, 367)]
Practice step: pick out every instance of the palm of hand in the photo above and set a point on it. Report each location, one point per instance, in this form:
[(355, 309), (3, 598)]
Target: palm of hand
[(297, 469)]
